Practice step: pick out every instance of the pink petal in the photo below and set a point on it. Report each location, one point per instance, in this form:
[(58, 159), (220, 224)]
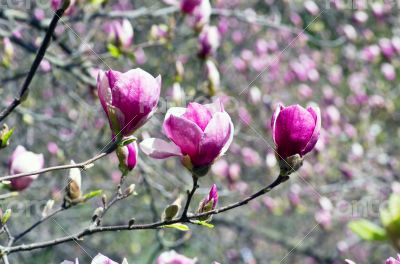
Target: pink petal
[(184, 133), (278, 109), (216, 139), (316, 113), (159, 149), (199, 114)]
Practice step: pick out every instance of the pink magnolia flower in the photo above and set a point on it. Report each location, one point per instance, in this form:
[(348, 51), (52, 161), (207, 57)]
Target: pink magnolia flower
[(295, 130), (202, 14), (188, 6), (200, 134), (121, 32), (171, 257), (388, 71), (129, 99), (128, 155), (98, 259), (209, 41), (210, 201), (392, 260), (23, 161)]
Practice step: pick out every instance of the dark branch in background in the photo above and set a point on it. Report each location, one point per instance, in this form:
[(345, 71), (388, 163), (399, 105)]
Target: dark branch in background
[(43, 219), (276, 237), (39, 56), (155, 225)]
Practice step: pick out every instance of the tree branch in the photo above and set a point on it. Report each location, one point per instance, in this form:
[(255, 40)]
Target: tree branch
[(155, 225), (39, 56), (82, 165)]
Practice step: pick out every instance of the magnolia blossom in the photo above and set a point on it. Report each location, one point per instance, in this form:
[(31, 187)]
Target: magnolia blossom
[(129, 99), (200, 134), (202, 14), (209, 41), (121, 32), (210, 201), (295, 130), (128, 155), (171, 257), (188, 6), (392, 260), (23, 161), (98, 259)]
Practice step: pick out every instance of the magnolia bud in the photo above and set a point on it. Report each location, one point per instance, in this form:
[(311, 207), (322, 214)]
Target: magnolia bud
[(97, 213), (46, 210), (128, 156), (73, 188), (213, 77), (104, 200), (131, 222), (209, 202), (130, 190), (180, 71)]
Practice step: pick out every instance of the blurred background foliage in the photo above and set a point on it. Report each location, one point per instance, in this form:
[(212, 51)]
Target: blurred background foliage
[(343, 58)]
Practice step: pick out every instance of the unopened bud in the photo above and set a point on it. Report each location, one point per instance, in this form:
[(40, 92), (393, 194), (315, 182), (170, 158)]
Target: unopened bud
[(130, 190), (73, 189), (131, 222), (104, 200), (47, 208), (180, 71), (97, 213), (209, 202)]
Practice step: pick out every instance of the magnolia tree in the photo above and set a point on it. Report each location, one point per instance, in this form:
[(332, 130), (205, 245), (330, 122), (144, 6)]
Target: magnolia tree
[(197, 131)]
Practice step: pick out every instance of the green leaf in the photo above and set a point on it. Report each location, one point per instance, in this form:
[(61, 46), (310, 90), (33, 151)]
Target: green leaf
[(386, 217), (5, 137), (394, 206), (114, 50), (92, 194), (178, 226), (6, 216), (204, 223), (367, 230)]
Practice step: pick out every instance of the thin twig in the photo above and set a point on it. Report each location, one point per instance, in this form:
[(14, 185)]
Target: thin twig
[(82, 165), (39, 56), (155, 225), (190, 196), (43, 219)]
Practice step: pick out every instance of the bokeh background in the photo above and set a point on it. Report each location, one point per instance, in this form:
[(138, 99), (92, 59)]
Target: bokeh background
[(340, 55)]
